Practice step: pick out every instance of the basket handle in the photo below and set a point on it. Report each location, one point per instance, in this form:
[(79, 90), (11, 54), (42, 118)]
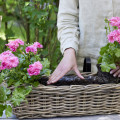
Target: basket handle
[(87, 65)]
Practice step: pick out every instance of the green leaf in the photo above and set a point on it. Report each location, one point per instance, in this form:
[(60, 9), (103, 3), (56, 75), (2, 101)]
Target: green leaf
[(17, 83), (24, 78), (1, 79), (106, 20), (104, 49), (10, 82), (107, 58), (8, 111), (8, 91), (47, 72), (112, 66), (99, 60), (105, 67), (3, 96), (117, 53), (4, 93), (2, 108), (27, 3), (45, 63), (19, 94), (35, 84), (115, 27)]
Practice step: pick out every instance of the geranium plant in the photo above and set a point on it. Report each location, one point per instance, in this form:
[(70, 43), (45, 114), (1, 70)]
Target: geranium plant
[(110, 54), (20, 68)]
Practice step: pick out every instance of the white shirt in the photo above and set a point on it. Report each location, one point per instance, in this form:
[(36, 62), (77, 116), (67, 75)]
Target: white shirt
[(81, 26)]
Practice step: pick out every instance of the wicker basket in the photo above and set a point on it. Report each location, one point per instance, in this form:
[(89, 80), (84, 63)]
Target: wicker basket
[(74, 100)]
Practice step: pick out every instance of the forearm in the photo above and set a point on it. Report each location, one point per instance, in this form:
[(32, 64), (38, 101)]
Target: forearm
[(67, 23)]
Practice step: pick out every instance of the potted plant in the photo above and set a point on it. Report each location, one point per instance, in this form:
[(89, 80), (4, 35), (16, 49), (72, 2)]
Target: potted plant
[(20, 67), (110, 53)]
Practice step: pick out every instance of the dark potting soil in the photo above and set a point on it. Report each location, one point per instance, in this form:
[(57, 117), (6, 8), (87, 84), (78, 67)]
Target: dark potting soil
[(107, 77), (99, 78)]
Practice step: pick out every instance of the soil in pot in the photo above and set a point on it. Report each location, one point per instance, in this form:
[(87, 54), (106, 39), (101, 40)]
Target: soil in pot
[(107, 77), (99, 78)]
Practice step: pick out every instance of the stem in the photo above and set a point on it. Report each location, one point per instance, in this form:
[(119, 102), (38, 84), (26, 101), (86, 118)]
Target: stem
[(106, 31), (21, 52)]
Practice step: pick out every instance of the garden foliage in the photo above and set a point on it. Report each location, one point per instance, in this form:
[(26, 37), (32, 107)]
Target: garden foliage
[(32, 20), (21, 68)]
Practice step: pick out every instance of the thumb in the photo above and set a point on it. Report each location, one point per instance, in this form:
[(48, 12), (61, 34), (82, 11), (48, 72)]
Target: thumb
[(78, 73)]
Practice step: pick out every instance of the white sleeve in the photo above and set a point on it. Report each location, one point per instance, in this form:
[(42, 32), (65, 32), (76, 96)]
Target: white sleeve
[(67, 23)]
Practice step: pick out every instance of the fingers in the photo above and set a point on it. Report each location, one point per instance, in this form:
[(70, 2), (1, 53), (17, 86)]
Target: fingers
[(117, 73), (115, 70), (68, 62), (78, 73), (57, 74)]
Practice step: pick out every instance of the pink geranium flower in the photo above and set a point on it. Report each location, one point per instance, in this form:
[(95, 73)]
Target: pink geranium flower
[(33, 48), (8, 60), (13, 61), (114, 36), (13, 45), (115, 21), (8, 52), (34, 69), (38, 45), (20, 41)]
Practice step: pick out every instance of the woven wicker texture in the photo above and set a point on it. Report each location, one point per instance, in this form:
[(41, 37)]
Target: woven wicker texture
[(74, 100)]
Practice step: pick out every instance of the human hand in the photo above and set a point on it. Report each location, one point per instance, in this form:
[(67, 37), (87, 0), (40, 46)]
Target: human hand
[(116, 72), (67, 63)]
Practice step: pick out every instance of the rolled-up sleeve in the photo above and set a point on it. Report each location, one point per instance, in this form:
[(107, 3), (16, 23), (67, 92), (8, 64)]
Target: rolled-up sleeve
[(67, 23)]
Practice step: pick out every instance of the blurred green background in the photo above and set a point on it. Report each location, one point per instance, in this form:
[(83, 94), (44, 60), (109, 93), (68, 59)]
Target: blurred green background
[(31, 20)]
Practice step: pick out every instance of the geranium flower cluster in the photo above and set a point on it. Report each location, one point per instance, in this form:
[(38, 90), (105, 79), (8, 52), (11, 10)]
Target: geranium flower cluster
[(13, 45), (8, 60), (34, 69), (114, 35), (115, 21), (33, 48)]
